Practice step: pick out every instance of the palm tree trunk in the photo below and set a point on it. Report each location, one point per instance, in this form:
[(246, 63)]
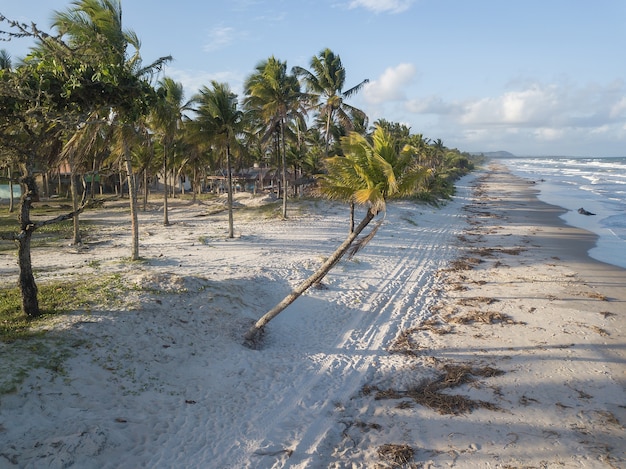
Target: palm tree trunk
[(122, 178), (251, 338), (229, 177), (92, 189), (194, 189), (327, 136), (352, 207), (166, 220), (145, 189), (74, 191), (284, 165), (132, 195), (59, 187)]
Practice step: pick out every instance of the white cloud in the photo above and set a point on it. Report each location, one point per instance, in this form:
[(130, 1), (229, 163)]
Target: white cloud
[(619, 108), (391, 84), (532, 118), (432, 105), (381, 6), (533, 106), (219, 37)]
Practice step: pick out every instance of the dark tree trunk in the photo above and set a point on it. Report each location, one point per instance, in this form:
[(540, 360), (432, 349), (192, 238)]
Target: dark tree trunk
[(28, 287), (251, 338)]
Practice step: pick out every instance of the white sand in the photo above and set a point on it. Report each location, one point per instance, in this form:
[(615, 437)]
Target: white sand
[(163, 381)]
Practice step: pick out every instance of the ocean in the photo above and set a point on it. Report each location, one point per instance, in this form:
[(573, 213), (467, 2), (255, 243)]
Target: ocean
[(596, 184)]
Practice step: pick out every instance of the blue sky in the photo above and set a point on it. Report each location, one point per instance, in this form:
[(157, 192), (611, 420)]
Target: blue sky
[(534, 77)]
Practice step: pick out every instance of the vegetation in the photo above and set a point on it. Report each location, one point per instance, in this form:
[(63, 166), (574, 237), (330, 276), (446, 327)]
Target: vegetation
[(83, 109), (55, 298)]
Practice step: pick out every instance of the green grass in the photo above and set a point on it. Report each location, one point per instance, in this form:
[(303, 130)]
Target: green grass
[(54, 298), (32, 345)]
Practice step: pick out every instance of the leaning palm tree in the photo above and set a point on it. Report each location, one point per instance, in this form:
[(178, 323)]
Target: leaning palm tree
[(370, 173), (220, 118), (325, 82), (274, 97)]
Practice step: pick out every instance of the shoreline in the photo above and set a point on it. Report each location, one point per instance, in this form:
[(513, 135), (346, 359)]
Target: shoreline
[(579, 240), (567, 192), (527, 303)]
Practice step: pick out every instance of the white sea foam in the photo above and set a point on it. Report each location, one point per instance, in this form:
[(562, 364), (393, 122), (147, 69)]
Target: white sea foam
[(595, 184)]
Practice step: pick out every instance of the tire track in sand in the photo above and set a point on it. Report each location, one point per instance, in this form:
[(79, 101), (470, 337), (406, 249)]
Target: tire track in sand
[(405, 279)]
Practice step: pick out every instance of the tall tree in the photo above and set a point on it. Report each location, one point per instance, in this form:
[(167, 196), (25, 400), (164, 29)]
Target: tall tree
[(66, 80), (167, 117), (36, 109), (114, 52), (274, 96), (6, 64), (325, 82), (370, 173), (220, 117)]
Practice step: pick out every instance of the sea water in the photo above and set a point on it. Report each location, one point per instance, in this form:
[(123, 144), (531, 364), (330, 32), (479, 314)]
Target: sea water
[(596, 184)]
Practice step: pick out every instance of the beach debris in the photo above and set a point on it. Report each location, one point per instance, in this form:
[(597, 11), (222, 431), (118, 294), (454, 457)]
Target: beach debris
[(582, 211), (396, 454), (431, 395)]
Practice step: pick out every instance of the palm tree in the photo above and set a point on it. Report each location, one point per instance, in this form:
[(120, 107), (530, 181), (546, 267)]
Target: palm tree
[(369, 174), (96, 27), (325, 82), (274, 97), (219, 116), (168, 115), (78, 151)]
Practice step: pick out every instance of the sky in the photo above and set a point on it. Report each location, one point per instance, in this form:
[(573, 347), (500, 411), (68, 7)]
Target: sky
[(532, 77)]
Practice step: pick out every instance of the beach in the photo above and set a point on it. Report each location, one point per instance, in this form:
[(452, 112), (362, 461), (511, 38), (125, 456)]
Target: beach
[(476, 334)]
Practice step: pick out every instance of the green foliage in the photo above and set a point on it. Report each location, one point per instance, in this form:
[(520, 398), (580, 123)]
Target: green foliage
[(372, 172)]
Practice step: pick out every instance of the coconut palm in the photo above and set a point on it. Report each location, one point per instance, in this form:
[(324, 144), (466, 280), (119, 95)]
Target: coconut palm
[(167, 118), (95, 26), (370, 173), (324, 83), (220, 118), (274, 97)]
